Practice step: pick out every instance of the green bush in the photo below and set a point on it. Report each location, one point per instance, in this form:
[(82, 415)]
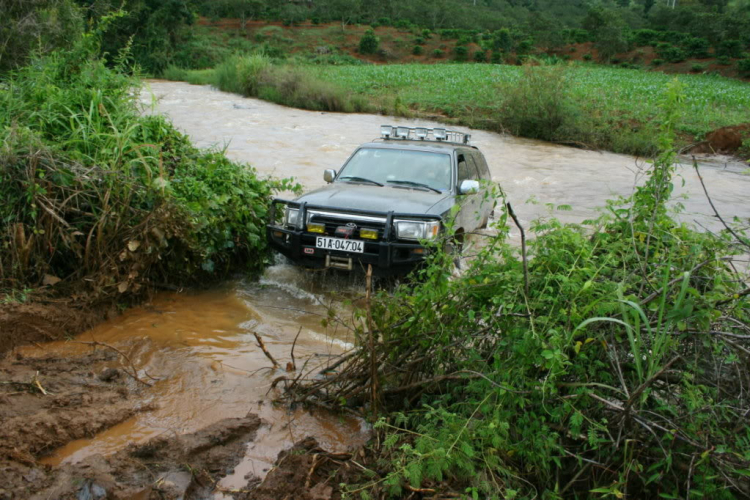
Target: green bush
[(426, 34), (419, 41), (460, 53), (697, 47), (109, 200), (497, 57), (369, 43), (516, 378), (437, 53), (730, 48), (480, 56), (698, 68), (724, 60), (743, 67), (587, 57), (417, 50), (670, 53), (657, 62), (285, 84)]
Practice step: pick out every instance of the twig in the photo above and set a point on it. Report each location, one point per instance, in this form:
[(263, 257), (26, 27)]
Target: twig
[(133, 375), (265, 351), (294, 364), (716, 212), (678, 279), (736, 296), (523, 248)]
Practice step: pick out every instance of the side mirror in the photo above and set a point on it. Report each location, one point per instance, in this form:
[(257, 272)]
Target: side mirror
[(468, 186), (329, 174)]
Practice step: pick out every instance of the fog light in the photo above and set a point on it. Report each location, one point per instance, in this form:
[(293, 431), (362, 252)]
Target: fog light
[(419, 251), (278, 234), (370, 234), (316, 228)]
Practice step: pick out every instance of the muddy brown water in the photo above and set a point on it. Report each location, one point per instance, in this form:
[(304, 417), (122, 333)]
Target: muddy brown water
[(200, 345)]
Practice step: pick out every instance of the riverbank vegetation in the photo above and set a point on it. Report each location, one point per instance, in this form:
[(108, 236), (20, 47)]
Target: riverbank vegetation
[(103, 203), (584, 105), (603, 360)]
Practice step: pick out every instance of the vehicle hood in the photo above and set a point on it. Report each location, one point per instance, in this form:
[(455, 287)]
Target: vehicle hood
[(341, 195)]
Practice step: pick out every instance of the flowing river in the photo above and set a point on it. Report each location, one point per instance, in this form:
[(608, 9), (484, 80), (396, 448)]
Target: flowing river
[(200, 346)]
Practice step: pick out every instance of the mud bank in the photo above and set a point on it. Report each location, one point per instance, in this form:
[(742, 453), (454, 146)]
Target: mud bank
[(37, 322), (47, 402)]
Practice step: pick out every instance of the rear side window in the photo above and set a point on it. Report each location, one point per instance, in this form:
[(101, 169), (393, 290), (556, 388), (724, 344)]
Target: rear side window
[(466, 168), (484, 171)]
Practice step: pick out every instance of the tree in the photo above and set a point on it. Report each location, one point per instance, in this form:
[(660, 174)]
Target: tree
[(609, 31), (344, 11), (369, 43)]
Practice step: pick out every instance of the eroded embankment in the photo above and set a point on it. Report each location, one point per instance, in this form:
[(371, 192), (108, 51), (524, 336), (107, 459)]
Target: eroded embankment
[(165, 388)]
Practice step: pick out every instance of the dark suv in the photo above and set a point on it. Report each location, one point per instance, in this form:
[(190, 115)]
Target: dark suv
[(391, 196)]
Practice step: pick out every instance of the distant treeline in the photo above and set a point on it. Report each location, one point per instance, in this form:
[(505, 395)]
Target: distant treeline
[(156, 31)]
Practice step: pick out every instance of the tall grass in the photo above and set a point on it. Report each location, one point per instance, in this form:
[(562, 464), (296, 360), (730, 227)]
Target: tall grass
[(287, 84), (109, 201)]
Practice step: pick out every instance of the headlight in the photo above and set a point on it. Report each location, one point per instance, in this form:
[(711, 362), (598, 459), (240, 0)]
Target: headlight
[(291, 217), (412, 230)]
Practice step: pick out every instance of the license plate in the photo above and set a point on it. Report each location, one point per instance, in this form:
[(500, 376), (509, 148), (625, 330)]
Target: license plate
[(356, 246)]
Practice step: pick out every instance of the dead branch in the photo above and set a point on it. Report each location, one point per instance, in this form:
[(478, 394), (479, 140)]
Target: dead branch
[(265, 351), (523, 248), (133, 375), (716, 212)]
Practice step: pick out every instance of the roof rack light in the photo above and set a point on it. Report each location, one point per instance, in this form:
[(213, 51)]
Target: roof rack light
[(424, 133)]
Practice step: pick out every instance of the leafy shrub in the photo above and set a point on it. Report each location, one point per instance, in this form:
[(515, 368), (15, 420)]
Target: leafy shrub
[(645, 37), (724, 60), (524, 47), (426, 34), (294, 86), (460, 53), (698, 68), (657, 62), (480, 56), (730, 48), (437, 53), (670, 53), (369, 43), (743, 67), (385, 21), (506, 381), (587, 57), (497, 57), (417, 50), (403, 24), (697, 47), (419, 41), (315, 20), (149, 206)]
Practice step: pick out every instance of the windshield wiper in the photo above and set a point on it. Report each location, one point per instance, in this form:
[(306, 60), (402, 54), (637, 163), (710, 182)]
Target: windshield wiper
[(415, 184), (360, 179)]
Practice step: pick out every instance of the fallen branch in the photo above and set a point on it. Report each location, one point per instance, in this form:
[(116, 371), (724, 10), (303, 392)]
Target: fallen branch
[(523, 248), (133, 375), (265, 351)]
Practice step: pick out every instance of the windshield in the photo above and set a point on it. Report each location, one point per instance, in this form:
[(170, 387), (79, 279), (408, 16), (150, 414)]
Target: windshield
[(396, 167)]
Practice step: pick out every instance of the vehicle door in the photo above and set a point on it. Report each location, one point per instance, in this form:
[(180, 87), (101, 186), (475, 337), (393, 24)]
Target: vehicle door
[(485, 203), (467, 170)]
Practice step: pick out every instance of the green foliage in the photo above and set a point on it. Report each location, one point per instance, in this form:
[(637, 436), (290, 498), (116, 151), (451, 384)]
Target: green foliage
[(670, 53), (39, 26), (743, 67), (437, 53), (417, 50), (369, 43), (480, 56), (460, 53), (286, 84), (104, 198), (599, 348)]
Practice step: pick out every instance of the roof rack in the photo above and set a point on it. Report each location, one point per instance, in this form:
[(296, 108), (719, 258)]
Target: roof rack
[(423, 134)]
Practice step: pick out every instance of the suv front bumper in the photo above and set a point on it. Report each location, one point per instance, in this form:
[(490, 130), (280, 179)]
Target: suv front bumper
[(387, 254)]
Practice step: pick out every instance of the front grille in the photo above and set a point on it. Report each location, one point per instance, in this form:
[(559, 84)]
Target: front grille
[(331, 223)]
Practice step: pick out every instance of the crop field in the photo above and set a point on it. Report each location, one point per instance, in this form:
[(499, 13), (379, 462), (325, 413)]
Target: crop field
[(455, 89)]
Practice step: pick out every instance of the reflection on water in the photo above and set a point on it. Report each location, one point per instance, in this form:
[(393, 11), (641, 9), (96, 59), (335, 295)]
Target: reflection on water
[(201, 348)]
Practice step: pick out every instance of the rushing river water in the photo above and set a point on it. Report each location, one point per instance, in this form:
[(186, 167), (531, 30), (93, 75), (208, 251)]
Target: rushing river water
[(200, 345)]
